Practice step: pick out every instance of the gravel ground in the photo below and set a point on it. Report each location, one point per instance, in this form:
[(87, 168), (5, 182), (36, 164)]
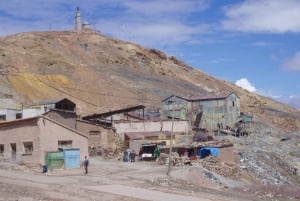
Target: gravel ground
[(107, 180)]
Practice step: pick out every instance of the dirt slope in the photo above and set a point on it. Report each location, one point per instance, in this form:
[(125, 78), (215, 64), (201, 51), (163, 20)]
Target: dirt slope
[(102, 74)]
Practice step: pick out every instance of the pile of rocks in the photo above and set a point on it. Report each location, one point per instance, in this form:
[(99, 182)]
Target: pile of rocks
[(214, 143), (176, 159), (269, 167), (214, 164), (210, 163)]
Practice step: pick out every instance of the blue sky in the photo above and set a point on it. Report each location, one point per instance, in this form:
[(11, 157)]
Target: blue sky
[(253, 43)]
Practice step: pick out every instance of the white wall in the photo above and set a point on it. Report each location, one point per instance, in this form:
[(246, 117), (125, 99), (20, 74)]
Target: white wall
[(9, 113), (180, 126), (27, 113)]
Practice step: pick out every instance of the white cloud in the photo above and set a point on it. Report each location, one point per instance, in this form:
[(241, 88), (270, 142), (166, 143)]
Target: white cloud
[(156, 23), (152, 23), (292, 100), (293, 63), (273, 16), (245, 84)]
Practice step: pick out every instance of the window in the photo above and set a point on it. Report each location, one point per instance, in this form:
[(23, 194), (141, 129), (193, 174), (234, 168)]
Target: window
[(1, 148), (19, 116), (94, 132), (232, 103), (2, 117), (170, 102), (28, 147), (65, 144)]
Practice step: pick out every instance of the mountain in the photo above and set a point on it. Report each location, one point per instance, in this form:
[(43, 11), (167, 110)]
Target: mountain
[(102, 74), (293, 101)]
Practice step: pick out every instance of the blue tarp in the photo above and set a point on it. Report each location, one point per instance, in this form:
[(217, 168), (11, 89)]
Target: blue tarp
[(203, 152)]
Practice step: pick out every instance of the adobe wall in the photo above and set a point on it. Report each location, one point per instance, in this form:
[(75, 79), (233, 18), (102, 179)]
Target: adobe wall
[(51, 133), (98, 135), (20, 132), (68, 119)]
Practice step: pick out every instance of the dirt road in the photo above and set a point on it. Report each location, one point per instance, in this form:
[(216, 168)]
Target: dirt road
[(106, 181)]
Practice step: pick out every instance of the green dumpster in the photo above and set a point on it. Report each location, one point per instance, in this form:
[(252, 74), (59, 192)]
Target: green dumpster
[(54, 160)]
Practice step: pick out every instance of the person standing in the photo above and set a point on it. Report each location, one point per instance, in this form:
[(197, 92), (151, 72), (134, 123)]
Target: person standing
[(156, 153), (141, 154), (86, 164)]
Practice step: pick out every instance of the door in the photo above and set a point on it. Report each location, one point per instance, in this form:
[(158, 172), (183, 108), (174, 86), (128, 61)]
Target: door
[(13, 148)]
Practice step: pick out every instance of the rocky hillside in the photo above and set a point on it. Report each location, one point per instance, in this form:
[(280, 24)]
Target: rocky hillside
[(102, 74)]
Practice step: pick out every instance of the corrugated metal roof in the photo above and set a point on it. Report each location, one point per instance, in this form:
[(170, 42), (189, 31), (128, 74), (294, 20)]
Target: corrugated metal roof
[(208, 97), (202, 97)]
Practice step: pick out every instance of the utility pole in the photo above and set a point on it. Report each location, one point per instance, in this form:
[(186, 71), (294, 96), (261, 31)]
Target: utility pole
[(171, 145)]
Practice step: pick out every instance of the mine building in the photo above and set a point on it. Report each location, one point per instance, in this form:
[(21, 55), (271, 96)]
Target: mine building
[(210, 111)]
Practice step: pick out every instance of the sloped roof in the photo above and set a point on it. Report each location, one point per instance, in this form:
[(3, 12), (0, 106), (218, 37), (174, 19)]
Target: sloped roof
[(49, 101), (203, 97), (60, 111), (107, 114), (35, 119)]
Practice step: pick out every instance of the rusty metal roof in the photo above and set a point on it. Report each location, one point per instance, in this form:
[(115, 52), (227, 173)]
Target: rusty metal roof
[(203, 97)]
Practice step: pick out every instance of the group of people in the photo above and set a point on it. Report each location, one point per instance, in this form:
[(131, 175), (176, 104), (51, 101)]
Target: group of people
[(129, 155)]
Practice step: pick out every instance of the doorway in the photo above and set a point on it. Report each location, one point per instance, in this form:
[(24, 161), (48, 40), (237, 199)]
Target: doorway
[(13, 148)]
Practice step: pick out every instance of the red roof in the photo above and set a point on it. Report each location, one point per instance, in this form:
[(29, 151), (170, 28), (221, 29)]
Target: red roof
[(207, 97), (203, 97)]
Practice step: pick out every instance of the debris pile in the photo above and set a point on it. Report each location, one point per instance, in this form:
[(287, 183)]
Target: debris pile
[(270, 168), (176, 159), (214, 164), (214, 143), (180, 161)]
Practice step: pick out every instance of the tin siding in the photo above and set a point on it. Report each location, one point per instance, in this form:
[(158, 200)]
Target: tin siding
[(221, 111)]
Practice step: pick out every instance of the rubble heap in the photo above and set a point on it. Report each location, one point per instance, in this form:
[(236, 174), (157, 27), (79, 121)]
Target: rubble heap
[(269, 167), (214, 164), (215, 143), (176, 159)]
